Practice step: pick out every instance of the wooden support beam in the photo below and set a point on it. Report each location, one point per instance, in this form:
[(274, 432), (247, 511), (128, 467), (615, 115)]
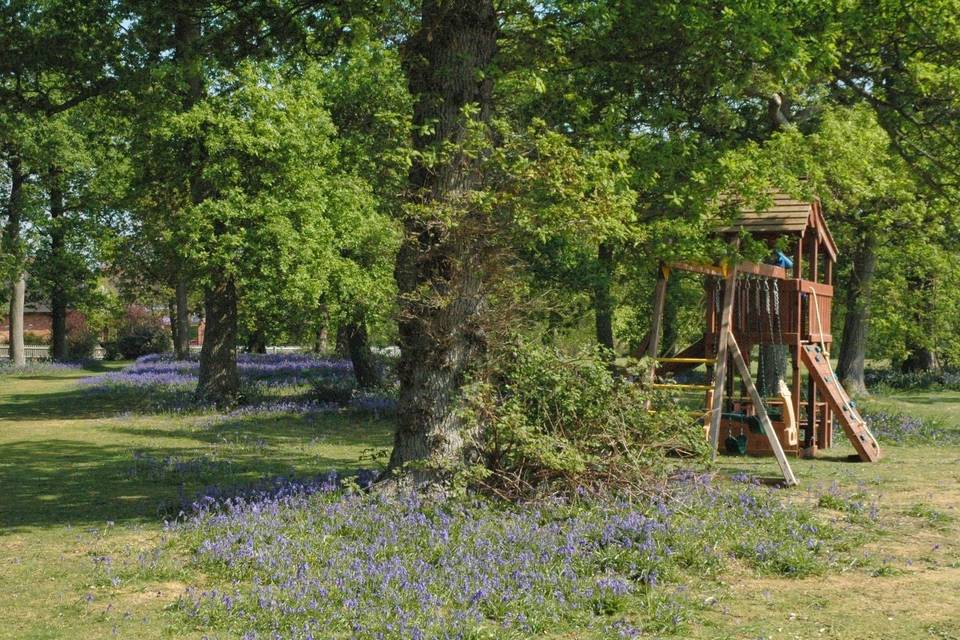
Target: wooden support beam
[(752, 268), (683, 387), (720, 368), (734, 348), (656, 321)]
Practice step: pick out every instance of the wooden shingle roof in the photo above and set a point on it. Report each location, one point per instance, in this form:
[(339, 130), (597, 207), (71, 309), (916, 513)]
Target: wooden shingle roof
[(786, 215)]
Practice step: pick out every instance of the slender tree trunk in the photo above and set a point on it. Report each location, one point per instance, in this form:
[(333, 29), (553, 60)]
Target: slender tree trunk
[(13, 247), (181, 343), (602, 299), (671, 318), (320, 337), (18, 352), (172, 314), (439, 269), (58, 297), (853, 344), (219, 381), (365, 369)]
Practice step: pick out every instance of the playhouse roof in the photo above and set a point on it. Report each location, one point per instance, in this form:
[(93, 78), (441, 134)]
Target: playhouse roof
[(784, 216)]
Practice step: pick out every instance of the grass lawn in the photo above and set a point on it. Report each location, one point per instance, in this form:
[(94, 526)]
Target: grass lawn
[(81, 480), (939, 405)]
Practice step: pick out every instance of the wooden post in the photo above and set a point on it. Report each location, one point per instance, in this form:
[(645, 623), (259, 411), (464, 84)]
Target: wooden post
[(788, 476), (798, 258), (815, 260), (720, 368), (656, 322)]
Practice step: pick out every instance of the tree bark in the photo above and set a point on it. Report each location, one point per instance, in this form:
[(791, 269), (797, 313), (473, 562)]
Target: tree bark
[(18, 352), (14, 248), (920, 354), (219, 381), (853, 344), (602, 299), (258, 341), (181, 340), (172, 314), (920, 359), (365, 369), (439, 268), (320, 338), (58, 294), (671, 318)]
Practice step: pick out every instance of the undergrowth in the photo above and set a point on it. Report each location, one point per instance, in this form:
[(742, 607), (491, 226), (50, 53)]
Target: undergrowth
[(545, 420)]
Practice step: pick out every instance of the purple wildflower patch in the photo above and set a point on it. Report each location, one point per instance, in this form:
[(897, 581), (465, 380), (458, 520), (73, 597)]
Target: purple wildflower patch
[(898, 428), (304, 558), (273, 384)]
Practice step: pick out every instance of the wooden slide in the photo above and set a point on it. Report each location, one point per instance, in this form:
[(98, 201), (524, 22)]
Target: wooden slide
[(829, 387)]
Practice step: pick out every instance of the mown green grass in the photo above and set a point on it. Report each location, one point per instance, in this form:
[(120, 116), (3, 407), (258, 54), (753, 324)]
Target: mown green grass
[(933, 405), (72, 491)]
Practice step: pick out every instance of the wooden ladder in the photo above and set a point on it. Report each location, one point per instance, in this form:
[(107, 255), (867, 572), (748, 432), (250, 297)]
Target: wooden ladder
[(827, 384)]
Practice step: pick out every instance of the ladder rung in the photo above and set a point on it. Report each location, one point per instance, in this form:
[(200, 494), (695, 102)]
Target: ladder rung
[(687, 360), (692, 387)]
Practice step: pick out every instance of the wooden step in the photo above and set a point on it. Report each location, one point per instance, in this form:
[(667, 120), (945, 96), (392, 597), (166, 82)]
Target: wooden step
[(829, 387)]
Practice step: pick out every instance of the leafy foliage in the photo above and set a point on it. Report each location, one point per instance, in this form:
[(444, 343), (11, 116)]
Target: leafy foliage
[(141, 333), (545, 420)]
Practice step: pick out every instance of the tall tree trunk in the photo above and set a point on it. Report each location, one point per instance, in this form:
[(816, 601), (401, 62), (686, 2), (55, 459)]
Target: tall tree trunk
[(919, 359), (853, 344), (58, 294), (602, 299), (181, 343), (258, 341), (439, 268), (172, 314), (219, 381), (320, 338), (920, 354), (13, 247), (671, 318), (365, 369)]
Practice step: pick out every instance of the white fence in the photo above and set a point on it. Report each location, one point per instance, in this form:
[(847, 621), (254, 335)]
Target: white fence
[(36, 352)]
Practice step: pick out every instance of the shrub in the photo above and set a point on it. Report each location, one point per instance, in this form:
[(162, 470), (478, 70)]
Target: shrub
[(543, 419), (81, 344), (81, 339), (142, 333), (111, 350), (35, 339), (333, 389), (946, 379)]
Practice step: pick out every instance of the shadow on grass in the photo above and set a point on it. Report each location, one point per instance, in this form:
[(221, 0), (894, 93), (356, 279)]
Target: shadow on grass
[(59, 482), (278, 431), (851, 458), (72, 404)]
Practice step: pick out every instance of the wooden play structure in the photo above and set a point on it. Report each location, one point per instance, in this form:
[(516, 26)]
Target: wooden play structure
[(782, 309)]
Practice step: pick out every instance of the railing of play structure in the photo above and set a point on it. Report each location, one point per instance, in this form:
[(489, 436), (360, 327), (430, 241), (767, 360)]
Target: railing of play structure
[(770, 310)]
